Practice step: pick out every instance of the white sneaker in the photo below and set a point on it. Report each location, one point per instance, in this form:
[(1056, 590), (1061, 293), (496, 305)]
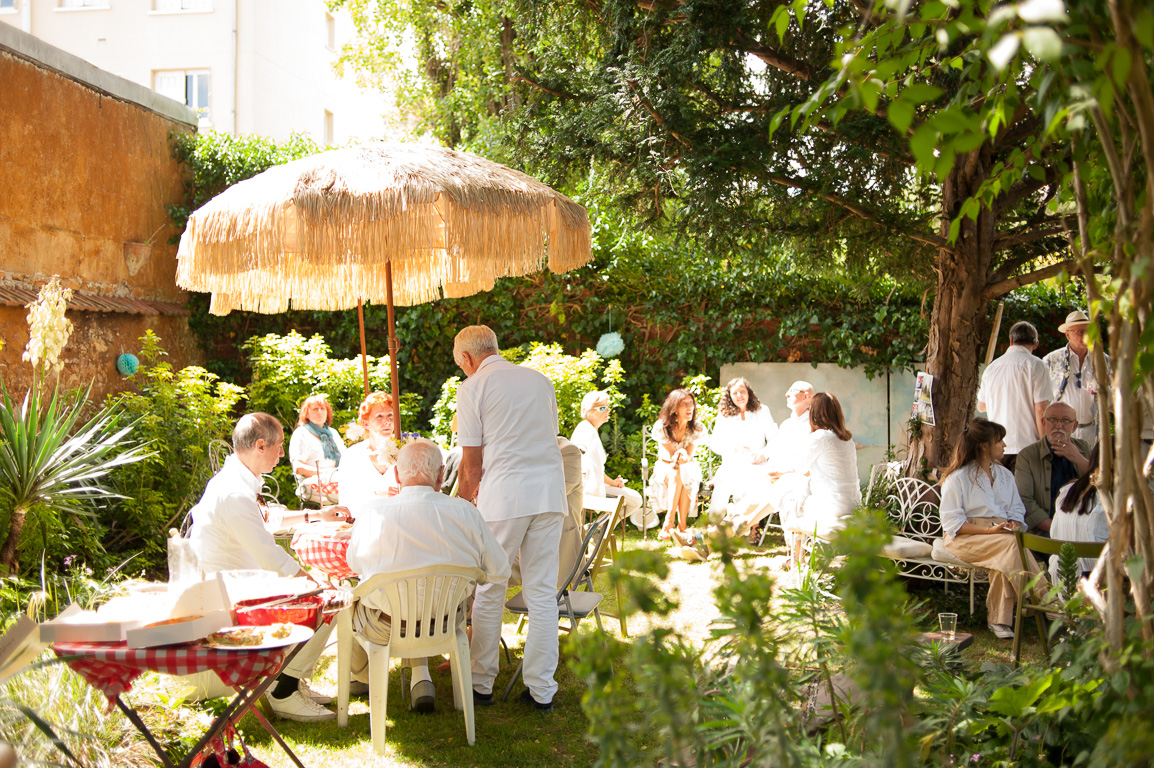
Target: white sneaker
[(309, 693), (1002, 631), (299, 708)]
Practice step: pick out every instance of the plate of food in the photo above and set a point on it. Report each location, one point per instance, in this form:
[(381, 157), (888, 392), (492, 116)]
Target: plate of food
[(257, 638)]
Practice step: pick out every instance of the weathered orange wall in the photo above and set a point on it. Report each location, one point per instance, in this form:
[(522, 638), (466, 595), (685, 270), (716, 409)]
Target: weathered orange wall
[(82, 173)]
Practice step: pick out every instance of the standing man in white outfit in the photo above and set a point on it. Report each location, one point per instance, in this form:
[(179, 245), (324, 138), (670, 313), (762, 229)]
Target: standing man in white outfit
[(1072, 376), (1015, 391), (510, 464)]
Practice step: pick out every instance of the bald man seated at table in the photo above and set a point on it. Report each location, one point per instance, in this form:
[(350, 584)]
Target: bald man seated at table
[(418, 528)]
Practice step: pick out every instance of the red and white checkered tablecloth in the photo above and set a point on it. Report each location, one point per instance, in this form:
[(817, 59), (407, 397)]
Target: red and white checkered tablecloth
[(321, 549), (112, 667)]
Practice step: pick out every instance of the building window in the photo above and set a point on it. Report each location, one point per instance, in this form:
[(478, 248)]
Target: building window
[(328, 127), (84, 3), (331, 29), (188, 86), (7, 5), (182, 5)]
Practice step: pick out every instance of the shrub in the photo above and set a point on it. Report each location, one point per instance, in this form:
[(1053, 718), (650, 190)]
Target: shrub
[(177, 413)]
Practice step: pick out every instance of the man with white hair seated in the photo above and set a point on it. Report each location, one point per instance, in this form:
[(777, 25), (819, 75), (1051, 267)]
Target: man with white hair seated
[(781, 486), (418, 528), (594, 413)]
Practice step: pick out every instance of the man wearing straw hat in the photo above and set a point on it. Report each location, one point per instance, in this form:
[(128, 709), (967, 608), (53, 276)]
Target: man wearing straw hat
[(1072, 376), (511, 465)]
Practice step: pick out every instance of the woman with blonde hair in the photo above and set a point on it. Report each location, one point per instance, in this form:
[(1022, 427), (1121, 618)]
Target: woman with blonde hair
[(368, 468), (980, 511), (677, 475)]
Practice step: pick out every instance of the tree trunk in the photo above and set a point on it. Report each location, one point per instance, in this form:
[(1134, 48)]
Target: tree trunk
[(8, 553), (957, 323)]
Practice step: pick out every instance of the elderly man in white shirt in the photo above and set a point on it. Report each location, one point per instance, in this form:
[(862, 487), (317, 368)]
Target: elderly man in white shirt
[(1072, 376), (1015, 391), (229, 532), (418, 528), (510, 463)]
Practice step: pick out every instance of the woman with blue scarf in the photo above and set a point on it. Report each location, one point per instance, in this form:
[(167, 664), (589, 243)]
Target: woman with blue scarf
[(315, 448)]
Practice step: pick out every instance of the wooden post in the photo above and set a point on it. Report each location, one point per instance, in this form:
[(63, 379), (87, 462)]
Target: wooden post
[(394, 345), (993, 347), (364, 354)]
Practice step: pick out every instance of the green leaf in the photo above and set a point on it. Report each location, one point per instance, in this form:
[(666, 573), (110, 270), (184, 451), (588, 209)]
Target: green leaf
[(1014, 702), (922, 144), (869, 90), (945, 162), (1120, 66), (900, 114), (1144, 28), (919, 93), (967, 142), (1002, 52), (781, 21), (1042, 42)]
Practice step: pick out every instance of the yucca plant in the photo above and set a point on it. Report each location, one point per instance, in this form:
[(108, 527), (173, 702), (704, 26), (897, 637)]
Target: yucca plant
[(46, 463)]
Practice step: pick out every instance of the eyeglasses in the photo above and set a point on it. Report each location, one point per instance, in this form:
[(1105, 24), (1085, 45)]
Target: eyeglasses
[(1060, 422)]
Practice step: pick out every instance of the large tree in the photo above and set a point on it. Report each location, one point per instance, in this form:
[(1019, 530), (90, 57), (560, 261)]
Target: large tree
[(724, 116)]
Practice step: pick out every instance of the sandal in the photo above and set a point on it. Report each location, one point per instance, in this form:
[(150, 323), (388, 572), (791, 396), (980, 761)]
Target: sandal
[(665, 534)]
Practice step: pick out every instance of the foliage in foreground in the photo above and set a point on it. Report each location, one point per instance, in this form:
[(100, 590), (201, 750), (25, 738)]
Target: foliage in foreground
[(752, 695)]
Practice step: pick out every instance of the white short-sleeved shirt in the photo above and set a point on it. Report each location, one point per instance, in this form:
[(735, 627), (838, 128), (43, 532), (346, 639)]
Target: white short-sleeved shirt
[(305, 449), (419, 528), (511, 412), (228, 529), (1011, 386), (586, 438), (967, 493)]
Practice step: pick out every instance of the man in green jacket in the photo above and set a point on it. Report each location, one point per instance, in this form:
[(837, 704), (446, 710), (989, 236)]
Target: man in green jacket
[(1047, 465)]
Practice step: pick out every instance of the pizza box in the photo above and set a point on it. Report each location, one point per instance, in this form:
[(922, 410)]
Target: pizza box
[(195, 612), (76, 625)]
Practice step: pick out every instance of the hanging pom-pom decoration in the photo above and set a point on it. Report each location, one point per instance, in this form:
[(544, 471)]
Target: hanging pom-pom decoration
[(610, 344), (127, 364)]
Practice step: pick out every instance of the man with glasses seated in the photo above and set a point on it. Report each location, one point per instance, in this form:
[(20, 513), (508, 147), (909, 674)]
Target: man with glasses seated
[(1044, 467)]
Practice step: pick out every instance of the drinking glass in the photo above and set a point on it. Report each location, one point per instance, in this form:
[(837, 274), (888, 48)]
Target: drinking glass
[(949, 625)]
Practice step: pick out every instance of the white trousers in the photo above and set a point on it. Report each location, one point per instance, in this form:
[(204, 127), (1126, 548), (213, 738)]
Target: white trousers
[(536, 538), (633, 506)]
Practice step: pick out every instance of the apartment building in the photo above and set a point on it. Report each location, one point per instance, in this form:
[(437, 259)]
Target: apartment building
[(246, 66)]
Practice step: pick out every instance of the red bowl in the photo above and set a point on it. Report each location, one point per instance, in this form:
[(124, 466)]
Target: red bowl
[(305, 611)]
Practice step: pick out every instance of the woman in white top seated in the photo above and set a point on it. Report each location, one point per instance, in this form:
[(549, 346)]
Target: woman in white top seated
[(829, 457), (315, 448), (1079, 516), (980, 511), (594, 413), (677, 475), (368, 468), (741, 434)]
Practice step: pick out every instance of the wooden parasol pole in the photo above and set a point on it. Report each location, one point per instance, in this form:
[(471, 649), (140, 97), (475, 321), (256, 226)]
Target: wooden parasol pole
[(395, 379), (364, 354)]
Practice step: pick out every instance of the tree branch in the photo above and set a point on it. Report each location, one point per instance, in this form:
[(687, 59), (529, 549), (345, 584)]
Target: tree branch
[(775, 59), (861, 211), (994, 290), (1029, 234)]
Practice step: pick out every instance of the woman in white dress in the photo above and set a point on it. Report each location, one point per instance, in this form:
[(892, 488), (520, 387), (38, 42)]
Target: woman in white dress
[(1079, 516), (829, 457), (368, 468), (741, 434), (980, 511), (594, 413), (677, 475), (315, 448)]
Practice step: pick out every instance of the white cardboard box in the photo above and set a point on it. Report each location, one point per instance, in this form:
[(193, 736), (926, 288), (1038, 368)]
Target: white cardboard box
[(75, 625), (204, 607)]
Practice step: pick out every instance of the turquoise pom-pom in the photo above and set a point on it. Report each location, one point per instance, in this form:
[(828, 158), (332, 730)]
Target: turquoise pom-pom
[(610, 344), (127, 364)]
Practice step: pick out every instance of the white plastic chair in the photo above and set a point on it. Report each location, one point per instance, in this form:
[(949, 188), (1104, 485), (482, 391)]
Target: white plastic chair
[(428, 619)]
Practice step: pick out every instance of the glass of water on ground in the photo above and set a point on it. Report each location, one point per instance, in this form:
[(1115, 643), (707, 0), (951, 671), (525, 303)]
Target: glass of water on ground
[(948, 622)]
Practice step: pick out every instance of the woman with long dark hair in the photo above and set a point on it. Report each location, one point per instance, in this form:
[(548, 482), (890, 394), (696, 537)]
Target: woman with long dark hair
[(980, 511), (830, 459), (741, 434), (1079, 516), (677, 475)]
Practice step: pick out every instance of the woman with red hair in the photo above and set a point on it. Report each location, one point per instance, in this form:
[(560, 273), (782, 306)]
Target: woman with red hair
[(315, 446), (367, 468)]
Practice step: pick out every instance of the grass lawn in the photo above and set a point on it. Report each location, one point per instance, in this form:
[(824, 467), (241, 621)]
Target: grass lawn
[(511, 734)]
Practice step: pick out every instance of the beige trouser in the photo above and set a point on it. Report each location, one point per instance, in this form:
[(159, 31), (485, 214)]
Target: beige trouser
[(997, 553), (376, 627)]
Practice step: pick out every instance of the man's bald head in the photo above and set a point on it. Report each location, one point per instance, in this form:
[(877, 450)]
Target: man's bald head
[(1060, 421), (419, 463)]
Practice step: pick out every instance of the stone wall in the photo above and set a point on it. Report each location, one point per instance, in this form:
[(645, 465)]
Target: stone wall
[(87, 177)]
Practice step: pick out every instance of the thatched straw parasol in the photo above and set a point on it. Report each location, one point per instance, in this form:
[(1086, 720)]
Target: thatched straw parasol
[(388, 223)]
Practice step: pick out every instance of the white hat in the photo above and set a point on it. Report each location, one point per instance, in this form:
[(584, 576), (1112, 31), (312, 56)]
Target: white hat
[(1074, 319)]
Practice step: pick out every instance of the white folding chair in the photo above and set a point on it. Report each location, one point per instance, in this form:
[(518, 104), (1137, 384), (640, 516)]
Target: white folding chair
[(572, 602), (616, 508), (427, 611)]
